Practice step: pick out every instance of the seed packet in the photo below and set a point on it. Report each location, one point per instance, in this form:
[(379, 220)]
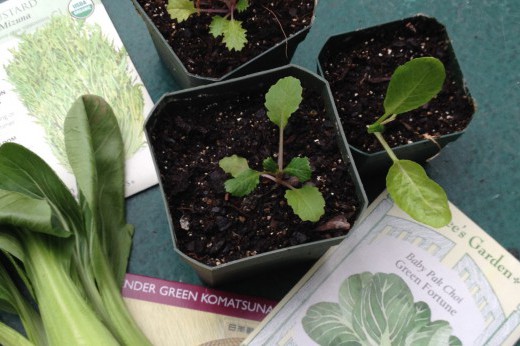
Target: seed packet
[(394, 281), (51, 53), (176, 313)]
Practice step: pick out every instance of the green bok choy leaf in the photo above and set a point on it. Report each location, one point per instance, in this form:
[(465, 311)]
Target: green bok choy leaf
[(71, 252)]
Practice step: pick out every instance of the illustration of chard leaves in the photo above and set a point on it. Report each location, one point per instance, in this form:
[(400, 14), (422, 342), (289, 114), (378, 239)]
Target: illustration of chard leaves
[(52, 66), (376, 309), (325, 324), (385, 309)]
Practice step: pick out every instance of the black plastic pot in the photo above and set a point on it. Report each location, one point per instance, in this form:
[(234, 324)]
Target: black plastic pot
[(278, 55), (377, 163), (234, 270)]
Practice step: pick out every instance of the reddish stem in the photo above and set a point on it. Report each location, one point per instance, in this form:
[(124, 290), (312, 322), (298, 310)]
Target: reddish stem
[(278, 181)]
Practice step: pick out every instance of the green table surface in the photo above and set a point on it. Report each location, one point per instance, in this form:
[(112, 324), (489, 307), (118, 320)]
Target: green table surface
[(480, 171)]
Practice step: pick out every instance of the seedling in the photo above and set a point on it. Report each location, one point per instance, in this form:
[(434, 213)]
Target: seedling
[(412, 85), (281, 101), (223, 22)]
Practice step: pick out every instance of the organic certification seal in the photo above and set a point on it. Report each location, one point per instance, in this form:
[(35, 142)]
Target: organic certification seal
[(81, 9)]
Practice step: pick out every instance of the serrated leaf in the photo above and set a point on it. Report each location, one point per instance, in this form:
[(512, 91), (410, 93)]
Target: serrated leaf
[(242, 5), (307, 202), (180, 10), (414, 84), (270, 165), (243, 183), (418, 195), (300, 168), (283, 99), (218, 26), (234, 35), (233, 165)]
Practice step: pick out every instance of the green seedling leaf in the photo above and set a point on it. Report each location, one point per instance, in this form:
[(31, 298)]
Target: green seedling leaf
[(218, 26), (234, 35), (415, 193), (283, 99), (300, 168), (234, 165), (243, 183), (306, 202), (242, 5), (180, 10), (414, 84), (270, 165)]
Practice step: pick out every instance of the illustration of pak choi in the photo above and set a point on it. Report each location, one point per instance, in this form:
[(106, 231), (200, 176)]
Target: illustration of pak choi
[(65, 58), (376, 309)]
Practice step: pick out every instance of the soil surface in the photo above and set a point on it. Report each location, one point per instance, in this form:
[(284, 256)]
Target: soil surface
[(359, 70), (266, 22), (214, 227)]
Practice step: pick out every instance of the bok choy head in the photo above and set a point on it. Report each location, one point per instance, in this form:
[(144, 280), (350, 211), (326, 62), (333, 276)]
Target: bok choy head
[(71, 251)]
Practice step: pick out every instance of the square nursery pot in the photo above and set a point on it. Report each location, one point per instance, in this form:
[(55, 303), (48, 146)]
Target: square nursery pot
[(225, 238), (358, 65), (270, 48)]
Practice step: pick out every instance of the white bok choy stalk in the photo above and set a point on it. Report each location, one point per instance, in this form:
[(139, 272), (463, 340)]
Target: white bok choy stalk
[(74, 252)]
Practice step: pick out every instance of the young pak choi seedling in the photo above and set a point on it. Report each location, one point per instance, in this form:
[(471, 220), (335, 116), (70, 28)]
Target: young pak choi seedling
[(413, 85), (223, 22), (281, 101)]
